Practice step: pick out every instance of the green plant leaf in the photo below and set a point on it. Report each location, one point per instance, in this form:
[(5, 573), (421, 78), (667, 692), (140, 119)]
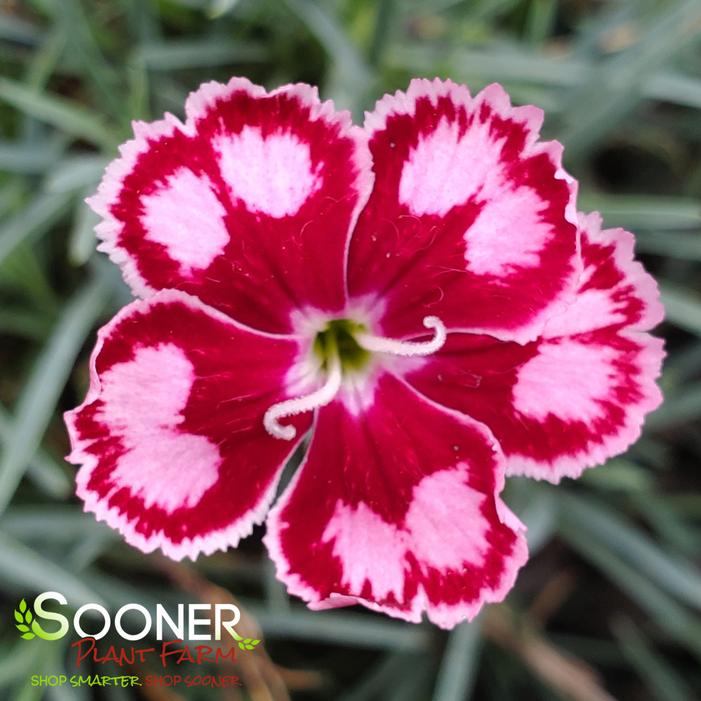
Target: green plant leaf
[(45, 472), (670, 572), (682, 307), (29, 158), (650, 665), (14, 28), (611, 91), (49, 374), (173, 55), (69, 117), (682, 407), (35, 219), (76, 173), (662, 215), (672, 618), (351, 76), (22, 566), (456, 676)]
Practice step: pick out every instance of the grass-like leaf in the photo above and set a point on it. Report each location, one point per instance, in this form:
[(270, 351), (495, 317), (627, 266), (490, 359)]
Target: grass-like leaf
[(682, 307), (670, 617), (33, 220), (66, 116), (456, 676), (593, 519), (36, 404), (27, 569), (650, 665)]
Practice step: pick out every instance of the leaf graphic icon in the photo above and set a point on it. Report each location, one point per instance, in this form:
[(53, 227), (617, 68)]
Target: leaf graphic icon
[(248, 644), (24, 618)]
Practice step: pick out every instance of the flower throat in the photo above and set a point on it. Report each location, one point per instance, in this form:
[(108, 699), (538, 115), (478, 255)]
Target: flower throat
[(345, 346), (338, 340)]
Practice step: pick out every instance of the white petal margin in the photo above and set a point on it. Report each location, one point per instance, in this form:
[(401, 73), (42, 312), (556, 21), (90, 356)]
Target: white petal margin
[(109, 229), (626, 303), (392, 559), (197, 105), (417, 192), (214, 540)]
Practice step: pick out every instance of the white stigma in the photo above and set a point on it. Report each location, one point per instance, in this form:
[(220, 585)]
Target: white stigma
[(298, 405), (377, 344)]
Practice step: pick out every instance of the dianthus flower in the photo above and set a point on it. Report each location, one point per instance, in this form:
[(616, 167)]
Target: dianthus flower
[(419, 296)]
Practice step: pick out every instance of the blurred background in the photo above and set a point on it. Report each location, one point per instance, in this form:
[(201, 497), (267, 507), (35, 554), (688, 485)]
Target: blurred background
[(609, 604)]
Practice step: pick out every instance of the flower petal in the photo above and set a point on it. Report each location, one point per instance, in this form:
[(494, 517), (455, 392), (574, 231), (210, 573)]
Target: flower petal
[(405, 521), (614, 291), (240, 202), (471, 219), (170, 436), (580, 394)]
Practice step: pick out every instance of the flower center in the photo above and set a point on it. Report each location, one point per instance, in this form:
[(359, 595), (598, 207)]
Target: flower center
[(344, 347), (339, 338)]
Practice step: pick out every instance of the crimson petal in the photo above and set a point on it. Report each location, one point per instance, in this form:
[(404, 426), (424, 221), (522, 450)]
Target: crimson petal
[(471, 219), (170, 437), (396, 507), (580, 394), (239, 203)]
